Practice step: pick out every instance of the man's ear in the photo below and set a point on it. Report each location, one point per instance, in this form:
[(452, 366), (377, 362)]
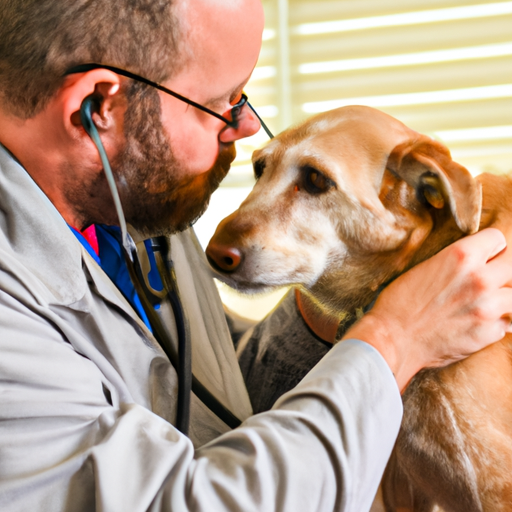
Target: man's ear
[(101, 84), (427, 166)]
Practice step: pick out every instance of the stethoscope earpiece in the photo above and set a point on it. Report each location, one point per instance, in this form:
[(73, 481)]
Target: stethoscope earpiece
[(89, 105)]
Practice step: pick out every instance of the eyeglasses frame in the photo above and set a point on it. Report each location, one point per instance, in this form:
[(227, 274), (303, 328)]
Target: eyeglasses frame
[(234, 111)]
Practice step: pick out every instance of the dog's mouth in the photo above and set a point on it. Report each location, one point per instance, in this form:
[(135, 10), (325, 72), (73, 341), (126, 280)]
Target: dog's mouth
[(236, 282), (249, 288)]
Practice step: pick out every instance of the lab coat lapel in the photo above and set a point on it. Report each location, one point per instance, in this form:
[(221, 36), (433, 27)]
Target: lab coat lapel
[(58, 267)]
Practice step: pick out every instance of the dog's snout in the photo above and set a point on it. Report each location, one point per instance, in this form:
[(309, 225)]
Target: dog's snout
[(222, 258)]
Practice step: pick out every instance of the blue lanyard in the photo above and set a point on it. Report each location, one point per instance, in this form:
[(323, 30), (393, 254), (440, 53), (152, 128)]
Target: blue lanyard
[(112, 262)]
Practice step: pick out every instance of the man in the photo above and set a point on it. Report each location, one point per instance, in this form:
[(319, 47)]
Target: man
[(87, 395)]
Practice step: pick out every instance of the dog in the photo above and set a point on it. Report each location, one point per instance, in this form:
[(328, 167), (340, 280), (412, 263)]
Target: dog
[(343, 204)]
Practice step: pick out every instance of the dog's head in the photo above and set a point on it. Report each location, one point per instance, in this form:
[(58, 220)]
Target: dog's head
[(343, 203)]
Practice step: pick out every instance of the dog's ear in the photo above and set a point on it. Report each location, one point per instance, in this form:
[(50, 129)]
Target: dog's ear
[(427, 166)]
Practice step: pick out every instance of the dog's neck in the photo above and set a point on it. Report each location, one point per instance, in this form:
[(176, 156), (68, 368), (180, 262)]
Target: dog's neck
[(348, 292)]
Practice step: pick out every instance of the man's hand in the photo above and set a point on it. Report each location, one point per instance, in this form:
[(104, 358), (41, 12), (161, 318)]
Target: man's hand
[(444, 309)]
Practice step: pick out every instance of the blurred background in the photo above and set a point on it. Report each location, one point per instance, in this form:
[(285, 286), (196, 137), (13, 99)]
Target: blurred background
[(442, 67)]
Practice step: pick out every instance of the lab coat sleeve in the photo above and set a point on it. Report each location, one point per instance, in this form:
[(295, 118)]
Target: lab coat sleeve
[(323, 446), (65, 448)]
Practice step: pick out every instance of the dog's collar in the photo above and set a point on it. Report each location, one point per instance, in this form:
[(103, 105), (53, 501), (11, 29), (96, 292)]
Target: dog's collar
[(348, 319)]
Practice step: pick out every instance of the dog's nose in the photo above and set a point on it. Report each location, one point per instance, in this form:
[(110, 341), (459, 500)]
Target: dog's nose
[(225, 259)]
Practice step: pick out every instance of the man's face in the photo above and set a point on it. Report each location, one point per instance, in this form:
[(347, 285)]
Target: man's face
[(159, 196), (175, 155)]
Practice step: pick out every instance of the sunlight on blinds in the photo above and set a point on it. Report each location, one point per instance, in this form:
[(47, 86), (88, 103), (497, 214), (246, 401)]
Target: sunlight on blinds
[(407, 18)]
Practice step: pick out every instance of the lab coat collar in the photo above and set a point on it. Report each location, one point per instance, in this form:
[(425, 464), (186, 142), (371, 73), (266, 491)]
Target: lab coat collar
[(29, 222)]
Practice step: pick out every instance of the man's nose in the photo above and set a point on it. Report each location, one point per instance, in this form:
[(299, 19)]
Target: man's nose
[(248, 124)]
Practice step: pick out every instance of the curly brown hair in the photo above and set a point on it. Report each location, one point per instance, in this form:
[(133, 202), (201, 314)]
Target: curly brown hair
[(41, 39)]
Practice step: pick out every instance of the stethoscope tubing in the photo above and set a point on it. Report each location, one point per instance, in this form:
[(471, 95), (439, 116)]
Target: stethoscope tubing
[(182, 361)]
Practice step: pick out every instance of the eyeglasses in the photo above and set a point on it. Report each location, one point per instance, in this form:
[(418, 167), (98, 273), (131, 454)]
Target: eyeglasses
[(234, 112)]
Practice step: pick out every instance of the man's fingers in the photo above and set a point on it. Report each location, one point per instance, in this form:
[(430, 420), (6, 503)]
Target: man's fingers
[(502, 303), (498, 271), (484, 245), (494, 315)]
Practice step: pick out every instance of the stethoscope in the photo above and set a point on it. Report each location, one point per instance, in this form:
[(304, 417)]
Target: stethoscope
[(182, 358)]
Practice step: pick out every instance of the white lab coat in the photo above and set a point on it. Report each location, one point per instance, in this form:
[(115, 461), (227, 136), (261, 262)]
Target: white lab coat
[(87, 397)]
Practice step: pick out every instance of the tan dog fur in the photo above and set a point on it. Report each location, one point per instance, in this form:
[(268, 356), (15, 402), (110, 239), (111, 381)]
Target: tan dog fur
[(389, 198)]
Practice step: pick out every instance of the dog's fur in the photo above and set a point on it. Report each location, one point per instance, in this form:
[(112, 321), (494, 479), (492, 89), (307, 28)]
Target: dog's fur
[(343, 204)]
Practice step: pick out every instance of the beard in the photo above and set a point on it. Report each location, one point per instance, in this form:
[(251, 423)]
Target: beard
[(158, 197)]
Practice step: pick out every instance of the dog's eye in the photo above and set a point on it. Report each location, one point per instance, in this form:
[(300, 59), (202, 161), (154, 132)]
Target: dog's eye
[(259, 167), (315, 182)]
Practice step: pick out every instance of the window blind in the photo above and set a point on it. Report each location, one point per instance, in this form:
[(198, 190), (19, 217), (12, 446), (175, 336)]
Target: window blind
[(442, 67)]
